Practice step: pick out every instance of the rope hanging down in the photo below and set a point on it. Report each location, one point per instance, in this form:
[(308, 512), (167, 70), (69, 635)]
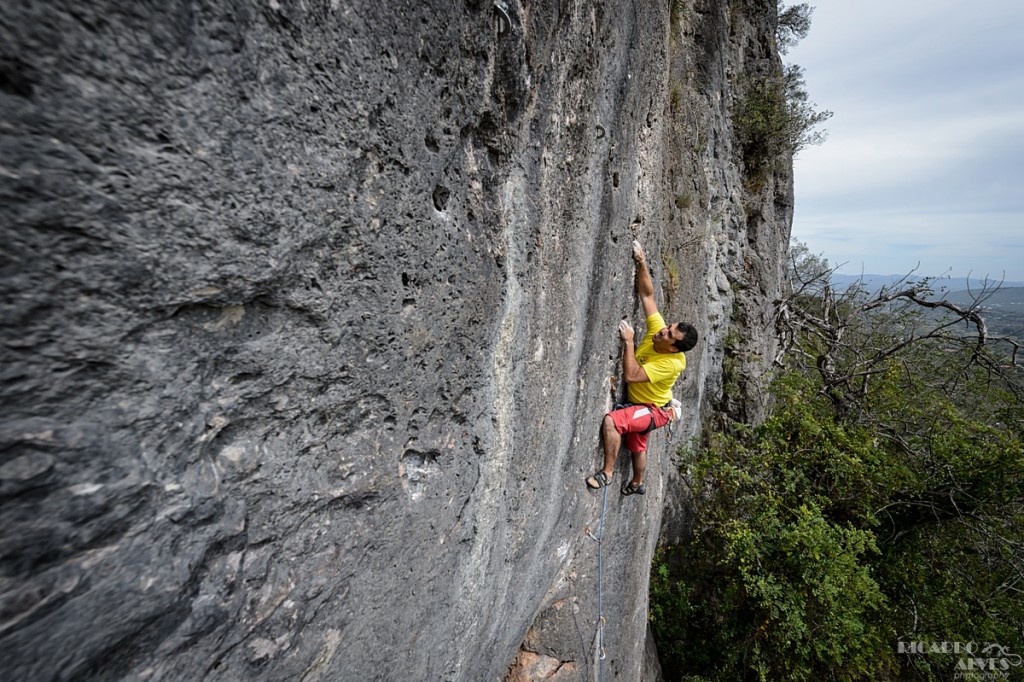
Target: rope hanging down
[(599, 635)]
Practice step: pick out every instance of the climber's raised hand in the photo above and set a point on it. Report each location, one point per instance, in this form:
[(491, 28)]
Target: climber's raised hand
[(626, 330), (638, 252)]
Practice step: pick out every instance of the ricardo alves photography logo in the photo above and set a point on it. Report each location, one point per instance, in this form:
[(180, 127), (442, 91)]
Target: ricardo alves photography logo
[(975, 661)]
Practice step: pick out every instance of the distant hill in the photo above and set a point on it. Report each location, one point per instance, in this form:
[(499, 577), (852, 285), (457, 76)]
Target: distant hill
[(1003, 310), (875, 282), (1005, 296)]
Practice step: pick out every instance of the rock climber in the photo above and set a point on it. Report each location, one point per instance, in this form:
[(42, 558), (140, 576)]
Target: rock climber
[(649, 371)]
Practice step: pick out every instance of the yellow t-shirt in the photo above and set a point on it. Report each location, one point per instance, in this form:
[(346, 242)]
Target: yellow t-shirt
[(662, 368)]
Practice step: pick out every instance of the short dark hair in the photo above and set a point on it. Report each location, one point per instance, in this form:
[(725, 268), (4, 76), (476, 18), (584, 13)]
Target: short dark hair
[(689, 339)]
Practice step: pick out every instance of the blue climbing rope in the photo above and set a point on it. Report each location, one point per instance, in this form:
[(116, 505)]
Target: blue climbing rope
[(600, 580), (599, 539)]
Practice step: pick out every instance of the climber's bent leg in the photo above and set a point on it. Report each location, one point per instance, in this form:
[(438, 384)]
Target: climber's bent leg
[(612, 443), (639, 464)]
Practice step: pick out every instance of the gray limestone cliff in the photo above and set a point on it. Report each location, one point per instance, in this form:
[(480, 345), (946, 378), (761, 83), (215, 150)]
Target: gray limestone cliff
[(310, 318)]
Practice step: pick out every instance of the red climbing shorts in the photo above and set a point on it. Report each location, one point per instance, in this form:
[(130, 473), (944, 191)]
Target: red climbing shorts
[(636, 421)]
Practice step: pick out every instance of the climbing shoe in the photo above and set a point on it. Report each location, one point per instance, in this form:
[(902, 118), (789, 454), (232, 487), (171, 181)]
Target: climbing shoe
[(598, 480), (629, 489)]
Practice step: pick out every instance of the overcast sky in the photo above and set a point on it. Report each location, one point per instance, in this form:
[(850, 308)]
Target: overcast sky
[(924, 160)]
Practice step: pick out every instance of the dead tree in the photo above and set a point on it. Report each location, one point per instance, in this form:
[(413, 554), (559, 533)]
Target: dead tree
[(850, 336)]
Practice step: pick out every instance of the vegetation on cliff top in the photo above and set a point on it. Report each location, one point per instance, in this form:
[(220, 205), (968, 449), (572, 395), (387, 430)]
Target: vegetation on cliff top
[(774, 117)]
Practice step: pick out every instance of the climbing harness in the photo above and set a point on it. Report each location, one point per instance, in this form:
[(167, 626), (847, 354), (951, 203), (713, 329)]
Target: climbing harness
[(599, 539), (677, 414)]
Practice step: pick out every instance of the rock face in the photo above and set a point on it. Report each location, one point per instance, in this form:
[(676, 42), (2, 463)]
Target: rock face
[(309, 322)]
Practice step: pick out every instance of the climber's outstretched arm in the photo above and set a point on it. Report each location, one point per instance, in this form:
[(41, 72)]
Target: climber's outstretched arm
[(644, 285)]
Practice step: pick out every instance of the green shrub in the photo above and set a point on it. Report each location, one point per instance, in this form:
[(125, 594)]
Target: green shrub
[(774, 120), (675, 98), (823, 538), (774, 584)]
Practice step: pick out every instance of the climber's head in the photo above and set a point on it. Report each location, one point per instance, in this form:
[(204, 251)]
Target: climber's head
[(675, 338)]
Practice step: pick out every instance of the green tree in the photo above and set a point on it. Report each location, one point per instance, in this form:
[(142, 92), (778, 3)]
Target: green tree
[(775, 119), (882, 501), (793, 26)]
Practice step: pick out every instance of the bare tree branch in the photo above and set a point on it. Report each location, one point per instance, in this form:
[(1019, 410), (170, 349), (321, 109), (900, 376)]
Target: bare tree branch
[(849, 336)]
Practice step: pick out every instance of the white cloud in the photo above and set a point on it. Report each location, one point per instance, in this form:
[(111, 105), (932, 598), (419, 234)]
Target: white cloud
[(923, 155), (860, 159), (895, 241)]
